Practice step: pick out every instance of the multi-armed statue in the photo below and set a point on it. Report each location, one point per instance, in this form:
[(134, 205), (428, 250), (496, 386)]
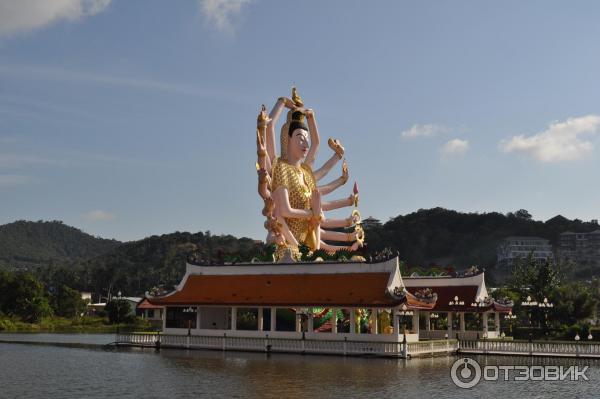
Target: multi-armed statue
[(294, 207)]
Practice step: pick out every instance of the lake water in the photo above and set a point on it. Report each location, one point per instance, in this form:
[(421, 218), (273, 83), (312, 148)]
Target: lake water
[(33, 371)]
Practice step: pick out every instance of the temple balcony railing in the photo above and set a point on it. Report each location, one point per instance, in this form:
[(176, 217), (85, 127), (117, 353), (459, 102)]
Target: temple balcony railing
[(454, 334), (534, 348), (289, 345)]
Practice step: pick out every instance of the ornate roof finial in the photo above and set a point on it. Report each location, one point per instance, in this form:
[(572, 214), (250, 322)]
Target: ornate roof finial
[(296, 98)]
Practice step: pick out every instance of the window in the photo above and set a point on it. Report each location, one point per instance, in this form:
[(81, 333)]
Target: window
[(181, 317)]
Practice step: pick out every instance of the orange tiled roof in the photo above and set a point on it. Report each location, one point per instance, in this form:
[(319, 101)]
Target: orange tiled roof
[(144, 304), (342, 289)]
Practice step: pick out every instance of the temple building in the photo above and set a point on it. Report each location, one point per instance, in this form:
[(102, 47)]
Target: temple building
[(328, 301), (459, 298), (209, 299)]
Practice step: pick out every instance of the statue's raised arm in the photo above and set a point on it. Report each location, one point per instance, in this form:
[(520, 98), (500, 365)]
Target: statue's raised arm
[(273, 117)]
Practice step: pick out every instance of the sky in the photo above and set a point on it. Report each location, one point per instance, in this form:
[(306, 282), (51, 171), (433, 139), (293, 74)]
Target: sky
[(133, 118)]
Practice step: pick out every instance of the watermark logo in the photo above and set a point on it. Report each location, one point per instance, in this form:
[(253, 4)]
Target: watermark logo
[(467, 373)]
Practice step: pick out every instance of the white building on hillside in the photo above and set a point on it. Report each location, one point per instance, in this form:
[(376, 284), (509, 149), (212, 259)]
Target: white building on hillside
[(516, 247)]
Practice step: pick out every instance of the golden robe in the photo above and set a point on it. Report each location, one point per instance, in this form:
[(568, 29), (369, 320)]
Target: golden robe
[(300, 183)]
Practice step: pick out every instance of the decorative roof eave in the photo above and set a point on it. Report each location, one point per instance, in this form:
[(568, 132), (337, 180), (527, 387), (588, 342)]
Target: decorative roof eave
[(448, 282), (502, 306), (415, 303), (352, 285)]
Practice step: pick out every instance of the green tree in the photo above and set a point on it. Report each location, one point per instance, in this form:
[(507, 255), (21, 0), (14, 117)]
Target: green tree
[(118, 311), (21, 294), (68, 303), (533, 278), (573, 303), (34, 309)]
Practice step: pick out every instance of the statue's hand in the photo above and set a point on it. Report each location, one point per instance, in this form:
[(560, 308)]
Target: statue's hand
[(287, 102), (263, 118), (336, 146), (299, 109), (353, 219), (316, 205), (345, 173)]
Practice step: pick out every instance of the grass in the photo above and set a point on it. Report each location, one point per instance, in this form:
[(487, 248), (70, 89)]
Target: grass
[(77, 325)]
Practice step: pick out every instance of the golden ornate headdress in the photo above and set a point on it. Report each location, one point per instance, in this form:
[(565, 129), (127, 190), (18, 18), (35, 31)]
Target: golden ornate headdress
[(296, 98), (292, 116)]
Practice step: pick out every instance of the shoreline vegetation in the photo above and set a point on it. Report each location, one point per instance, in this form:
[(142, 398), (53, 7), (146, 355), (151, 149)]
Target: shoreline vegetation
[(84, 324)]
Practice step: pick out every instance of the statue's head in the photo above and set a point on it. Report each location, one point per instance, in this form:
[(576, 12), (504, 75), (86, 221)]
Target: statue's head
[(297, 143), (294, 133)]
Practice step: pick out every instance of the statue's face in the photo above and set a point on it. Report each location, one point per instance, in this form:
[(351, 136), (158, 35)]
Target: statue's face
[(298, 144)]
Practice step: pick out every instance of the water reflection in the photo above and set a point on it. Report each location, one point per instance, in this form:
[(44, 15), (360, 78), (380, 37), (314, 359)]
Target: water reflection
[(46, 371)]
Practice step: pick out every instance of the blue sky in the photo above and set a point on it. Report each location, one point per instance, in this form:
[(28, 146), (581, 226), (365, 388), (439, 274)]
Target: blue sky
[(132, 118)]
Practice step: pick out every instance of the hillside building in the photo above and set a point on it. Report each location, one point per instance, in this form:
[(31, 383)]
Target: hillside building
[(581, 249), (511, 249)]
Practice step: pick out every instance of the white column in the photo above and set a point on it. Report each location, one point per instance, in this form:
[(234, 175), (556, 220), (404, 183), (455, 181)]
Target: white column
[(396, 322), (352, 321), (273, 319), (415, 322), (233, 318), (427, 321), (260, 319), (497, 322), (198, 318), (462, 321), (298, 321), (485, 321), (374, 321), (449, 324), (334, 320)]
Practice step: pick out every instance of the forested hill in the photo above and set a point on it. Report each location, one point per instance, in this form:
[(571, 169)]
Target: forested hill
[(140, 265), (26, 244), (448, 238), (59, 254)]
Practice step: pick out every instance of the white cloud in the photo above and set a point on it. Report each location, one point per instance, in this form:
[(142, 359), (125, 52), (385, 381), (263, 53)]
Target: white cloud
[(426, 130), (99, 216), (455, 147), (561, 141), (13, 180), (222, 14), (18, 16)]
